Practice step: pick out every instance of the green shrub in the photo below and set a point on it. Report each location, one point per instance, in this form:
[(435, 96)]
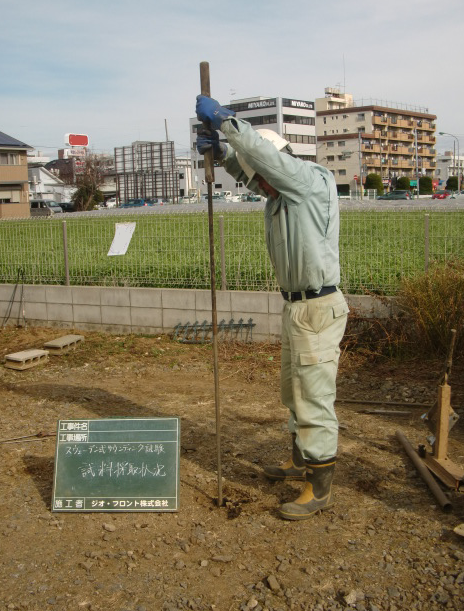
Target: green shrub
[(425, 185), (403, 183), (452, 183), (433, 304), (374, 181)]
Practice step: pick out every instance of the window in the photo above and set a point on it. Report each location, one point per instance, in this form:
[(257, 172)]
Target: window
[(238, 185), (264, 120), (360, 116), (330, 144), (330, 158), (342, 172), (341, 143), (9, 159), (300, 139), (296, 120), (325, 120), (181, 176)]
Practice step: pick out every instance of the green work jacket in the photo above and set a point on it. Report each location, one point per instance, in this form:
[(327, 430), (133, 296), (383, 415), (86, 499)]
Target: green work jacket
[(302, 223)]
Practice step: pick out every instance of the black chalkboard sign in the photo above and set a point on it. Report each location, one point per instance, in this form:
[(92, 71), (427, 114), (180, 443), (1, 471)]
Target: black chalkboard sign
[(120, 464)]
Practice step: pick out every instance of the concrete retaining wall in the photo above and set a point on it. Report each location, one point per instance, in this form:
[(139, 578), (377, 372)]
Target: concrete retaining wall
[(152, 310)]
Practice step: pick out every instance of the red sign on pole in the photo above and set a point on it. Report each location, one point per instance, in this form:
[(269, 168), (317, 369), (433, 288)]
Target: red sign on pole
[(76, 139), (355, 177)]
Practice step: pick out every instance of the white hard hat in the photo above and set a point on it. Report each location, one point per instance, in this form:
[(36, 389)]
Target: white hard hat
[(279, 142)]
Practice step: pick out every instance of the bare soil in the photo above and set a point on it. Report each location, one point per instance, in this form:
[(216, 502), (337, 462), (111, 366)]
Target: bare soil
[(386, 544)]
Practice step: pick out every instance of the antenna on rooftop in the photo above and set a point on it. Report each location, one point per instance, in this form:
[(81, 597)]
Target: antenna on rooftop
[(344, 79)]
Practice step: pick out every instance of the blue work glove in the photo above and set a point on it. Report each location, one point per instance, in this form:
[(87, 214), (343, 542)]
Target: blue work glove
[(209, 110), (209, 139)]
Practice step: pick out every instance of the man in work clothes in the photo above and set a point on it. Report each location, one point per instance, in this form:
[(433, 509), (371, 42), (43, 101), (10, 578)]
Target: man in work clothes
[(302, 229)]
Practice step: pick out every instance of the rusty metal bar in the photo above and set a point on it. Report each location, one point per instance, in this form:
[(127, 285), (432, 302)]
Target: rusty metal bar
[(209, 177)]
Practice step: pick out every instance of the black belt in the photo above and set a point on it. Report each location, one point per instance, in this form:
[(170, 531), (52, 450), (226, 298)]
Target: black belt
[(308, 294)]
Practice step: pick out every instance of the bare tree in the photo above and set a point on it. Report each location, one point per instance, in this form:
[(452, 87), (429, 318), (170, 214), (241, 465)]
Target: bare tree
[(89, 178)]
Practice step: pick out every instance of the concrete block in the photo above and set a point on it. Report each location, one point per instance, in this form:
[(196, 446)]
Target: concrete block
[(117, 329), (112, 315), (275, 326), (146, 330), (37, 311), (60, 312), (276, 303), (178, 298), (63, 344), (145, 298), (58, 294), (368, 306), (6, 292), (87, 314), (172, 317), (115, 297), (147, 317), (261, 322), (11, 310), (203, 301), (206, 315), (250, 302), (86, 295), (34, 294), (26, 359)]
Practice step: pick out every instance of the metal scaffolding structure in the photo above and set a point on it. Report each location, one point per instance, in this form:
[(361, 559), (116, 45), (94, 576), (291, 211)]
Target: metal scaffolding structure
[(147, 170)]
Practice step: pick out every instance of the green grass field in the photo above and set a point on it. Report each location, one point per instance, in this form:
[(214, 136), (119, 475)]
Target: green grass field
[(377, 248)]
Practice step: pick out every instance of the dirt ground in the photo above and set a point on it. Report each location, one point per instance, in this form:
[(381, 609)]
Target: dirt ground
[(386, 544)]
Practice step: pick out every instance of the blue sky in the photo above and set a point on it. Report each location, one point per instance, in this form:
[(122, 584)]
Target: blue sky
[(121, 70)]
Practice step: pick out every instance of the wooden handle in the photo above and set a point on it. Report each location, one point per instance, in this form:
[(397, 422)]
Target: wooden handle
[(206, 90)]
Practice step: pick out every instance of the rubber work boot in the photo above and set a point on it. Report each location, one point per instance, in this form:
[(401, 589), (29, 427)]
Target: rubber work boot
[(293, 469), (317, 494)]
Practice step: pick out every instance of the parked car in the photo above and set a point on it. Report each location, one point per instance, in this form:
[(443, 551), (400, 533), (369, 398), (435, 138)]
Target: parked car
[(111, 202), (67, 207), (136, 203), (396, 194), (44, 207), (441, 194)]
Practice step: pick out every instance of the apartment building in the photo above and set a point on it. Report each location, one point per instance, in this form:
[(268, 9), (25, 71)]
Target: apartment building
[(294, 120), (354, 140), (14, 188)]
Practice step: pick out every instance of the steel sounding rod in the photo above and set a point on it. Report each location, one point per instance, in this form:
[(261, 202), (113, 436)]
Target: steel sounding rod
[(209, 178)]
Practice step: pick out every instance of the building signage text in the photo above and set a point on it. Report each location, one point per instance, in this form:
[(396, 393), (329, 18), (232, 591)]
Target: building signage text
[(261, 104)]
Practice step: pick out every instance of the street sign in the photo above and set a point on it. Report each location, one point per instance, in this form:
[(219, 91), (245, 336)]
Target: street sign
[(355, 177), (76, 139)]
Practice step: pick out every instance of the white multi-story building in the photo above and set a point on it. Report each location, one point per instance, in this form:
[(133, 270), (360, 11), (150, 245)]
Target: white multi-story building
[(294, 120), (449, 164)]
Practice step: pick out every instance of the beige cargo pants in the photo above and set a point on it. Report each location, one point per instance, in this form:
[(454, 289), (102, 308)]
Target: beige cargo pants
[(311, 334)]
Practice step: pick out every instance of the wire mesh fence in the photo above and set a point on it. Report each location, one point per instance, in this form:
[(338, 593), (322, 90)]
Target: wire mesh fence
[(377, 249)]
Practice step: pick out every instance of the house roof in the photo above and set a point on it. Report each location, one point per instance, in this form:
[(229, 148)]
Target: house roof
[(6, 140)]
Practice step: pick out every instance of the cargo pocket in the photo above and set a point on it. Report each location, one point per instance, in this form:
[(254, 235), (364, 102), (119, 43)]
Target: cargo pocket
[(318, 372), (340, 310)]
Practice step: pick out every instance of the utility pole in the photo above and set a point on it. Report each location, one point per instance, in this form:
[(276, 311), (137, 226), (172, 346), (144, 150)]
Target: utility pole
[(459, 173), (417, 164), (360, 165)]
